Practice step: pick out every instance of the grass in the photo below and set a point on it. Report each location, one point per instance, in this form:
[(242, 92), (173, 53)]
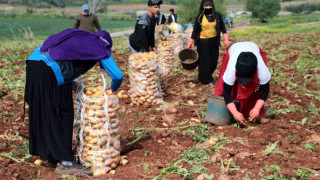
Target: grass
[(282, 24), (10, 28), (195, 157), (290, 19)]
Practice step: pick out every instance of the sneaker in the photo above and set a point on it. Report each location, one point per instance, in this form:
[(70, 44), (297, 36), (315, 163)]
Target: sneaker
[(74, 170), (210, 84)]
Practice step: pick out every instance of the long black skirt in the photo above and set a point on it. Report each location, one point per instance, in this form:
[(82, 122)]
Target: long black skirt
[(51, 113), (208, 50)]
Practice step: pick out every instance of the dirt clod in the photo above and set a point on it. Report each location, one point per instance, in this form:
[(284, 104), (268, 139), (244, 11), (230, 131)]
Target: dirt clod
[(171, 110), (213, 140), (315, 137), (191, 85), (6, 162), (223, 177), (213, 159), (264, 121), (15, 175), (242, 155), (200, 177)]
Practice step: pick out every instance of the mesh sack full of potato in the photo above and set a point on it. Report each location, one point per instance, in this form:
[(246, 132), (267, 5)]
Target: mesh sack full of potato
[(179, 42), (144, 79), (165, 57), (98, 129)]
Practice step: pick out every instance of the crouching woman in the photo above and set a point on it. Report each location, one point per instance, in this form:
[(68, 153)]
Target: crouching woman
[(245, 77)]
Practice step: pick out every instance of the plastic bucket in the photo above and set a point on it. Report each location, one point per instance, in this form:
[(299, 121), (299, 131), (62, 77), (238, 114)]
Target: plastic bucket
[(217, 111), (188, 59)]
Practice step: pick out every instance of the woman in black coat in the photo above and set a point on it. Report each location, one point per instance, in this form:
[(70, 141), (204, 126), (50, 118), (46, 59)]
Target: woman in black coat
[(206, 36)]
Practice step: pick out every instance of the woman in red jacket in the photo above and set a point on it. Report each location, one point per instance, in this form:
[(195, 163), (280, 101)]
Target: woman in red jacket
[(245, 77)]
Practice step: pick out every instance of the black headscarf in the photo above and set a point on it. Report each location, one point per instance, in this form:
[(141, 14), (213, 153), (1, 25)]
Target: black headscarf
[(201, 9)]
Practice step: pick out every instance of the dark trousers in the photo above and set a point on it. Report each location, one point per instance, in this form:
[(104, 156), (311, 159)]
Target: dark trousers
[(51, 114), (208, 50)]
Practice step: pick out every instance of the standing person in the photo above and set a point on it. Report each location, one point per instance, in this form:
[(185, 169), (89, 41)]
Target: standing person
[(172, 18), (142, 39), (206, 35), (161, 21), (48, 92), (87, 21), (245, 77)]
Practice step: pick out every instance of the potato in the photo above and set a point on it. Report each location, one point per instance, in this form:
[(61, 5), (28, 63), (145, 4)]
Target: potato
[(123, 162), (112, 115), (116, 159), (38, 162), (113, 165), (116, 145), (108, 162), (115, 154)]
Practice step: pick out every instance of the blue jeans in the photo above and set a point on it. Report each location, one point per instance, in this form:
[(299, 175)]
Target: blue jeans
[(132, 50)]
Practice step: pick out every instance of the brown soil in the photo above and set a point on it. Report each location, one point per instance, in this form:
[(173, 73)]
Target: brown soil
[(165, 144)]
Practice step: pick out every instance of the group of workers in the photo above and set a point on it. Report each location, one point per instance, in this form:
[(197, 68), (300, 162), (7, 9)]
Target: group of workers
[(54, 65)]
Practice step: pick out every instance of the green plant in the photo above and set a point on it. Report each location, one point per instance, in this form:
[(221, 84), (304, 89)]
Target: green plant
[(229, 166), (140, 113), (274, 169), (200, 131), (174, 168), (135, 128), (312, 108), (145, 168), (304, 120), (219, 145), (195, 156), (272, 149), (311, 146), (304, 173)]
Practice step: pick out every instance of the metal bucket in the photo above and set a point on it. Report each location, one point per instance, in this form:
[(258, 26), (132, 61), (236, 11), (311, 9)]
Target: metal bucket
[(217, 111), (188, 59)]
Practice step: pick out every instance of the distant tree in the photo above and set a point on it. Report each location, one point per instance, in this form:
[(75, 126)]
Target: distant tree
[(98, 5), (263, 9), (189, 9)]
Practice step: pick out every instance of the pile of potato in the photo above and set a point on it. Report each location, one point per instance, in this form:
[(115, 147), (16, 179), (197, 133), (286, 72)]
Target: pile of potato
[(179, 42), (123, 94), (144, 79), (165, 57), (100, 131)]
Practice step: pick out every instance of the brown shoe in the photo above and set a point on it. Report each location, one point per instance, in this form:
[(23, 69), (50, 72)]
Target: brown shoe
[(74, 170)]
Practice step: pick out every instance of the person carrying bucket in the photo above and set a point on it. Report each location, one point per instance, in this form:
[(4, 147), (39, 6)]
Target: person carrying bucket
[(245, 77), (51, 69), (206, 35)]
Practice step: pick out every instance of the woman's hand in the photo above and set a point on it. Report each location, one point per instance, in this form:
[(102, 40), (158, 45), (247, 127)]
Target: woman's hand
[(239, 117), (236, 114), (191, 41), (254, 113), (226, 44), (226, 40)]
